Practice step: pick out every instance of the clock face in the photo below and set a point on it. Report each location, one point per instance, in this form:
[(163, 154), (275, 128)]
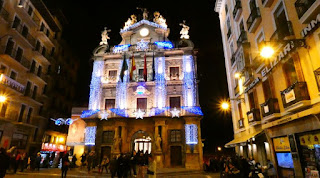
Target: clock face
[(144, 32)]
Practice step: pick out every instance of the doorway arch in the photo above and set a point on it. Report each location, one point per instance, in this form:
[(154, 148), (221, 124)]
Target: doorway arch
[(141, 141)]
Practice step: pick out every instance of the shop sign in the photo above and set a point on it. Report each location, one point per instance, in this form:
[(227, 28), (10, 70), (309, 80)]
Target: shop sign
[(291, 45), (266, 109), (53, 147), (310, 139), (250, 117), (281, 144), (311, 26), (290, 96), (252, 84)]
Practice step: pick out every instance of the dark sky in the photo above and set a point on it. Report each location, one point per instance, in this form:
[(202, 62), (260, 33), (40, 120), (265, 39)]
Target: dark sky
[(88, 18)]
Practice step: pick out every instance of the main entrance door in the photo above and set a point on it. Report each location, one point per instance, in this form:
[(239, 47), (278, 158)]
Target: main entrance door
[(175, 156), (106, 151), (141, 142)]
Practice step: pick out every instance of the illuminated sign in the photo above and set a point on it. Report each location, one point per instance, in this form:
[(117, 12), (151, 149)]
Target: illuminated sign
[(164, 44)]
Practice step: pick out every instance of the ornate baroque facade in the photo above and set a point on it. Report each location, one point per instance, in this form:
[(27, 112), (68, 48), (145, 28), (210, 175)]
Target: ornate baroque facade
[(153, 108)]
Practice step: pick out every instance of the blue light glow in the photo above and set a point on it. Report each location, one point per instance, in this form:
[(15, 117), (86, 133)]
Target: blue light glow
[(119, 112), (164, 44), (121, 48), (191, 134), (142, 22), (90, 136), (88, 113), (195, 110), (95, 86), (68, 121), (189, 89), (160, 81), (121, 90), (157, 111), (58, 122)]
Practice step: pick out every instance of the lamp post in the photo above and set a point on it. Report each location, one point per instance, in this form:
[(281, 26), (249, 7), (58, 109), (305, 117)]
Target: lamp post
[(3, 98)]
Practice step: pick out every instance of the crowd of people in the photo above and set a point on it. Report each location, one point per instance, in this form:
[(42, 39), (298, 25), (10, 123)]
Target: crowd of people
[(136, 164), (241, 167)]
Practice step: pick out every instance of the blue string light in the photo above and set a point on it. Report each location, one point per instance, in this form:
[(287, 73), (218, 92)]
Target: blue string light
[(90, 136), (164, 44), (121, 90), (160, 82), (121, 48), (95, 86), (189, 89), (194, 109), (143, 22), (119, 112), (191, 134), (88, 113)]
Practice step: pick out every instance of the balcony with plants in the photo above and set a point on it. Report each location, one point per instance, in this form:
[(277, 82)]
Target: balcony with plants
[(270, 109), (254, 116)]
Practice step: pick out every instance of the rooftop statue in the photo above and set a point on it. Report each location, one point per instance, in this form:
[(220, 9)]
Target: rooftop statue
[(159, 19), (130, 21), (105, 36), (145, 12), (184, 31)]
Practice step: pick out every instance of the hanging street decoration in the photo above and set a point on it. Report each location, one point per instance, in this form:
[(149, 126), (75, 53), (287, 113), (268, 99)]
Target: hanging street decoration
[(62, 121), (139, 114), (142, 45), (88, 113), (175, 112), (104, 115)]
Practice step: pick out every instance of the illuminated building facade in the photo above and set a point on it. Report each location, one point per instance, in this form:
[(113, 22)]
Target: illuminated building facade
[(143, 97), (274, 101)]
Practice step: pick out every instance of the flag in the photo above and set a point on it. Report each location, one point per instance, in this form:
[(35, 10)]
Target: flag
[(133, 67), (153, 68), (145, 72), (124, 67)]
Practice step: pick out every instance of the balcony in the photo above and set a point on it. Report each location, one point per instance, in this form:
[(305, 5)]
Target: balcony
[(13, 84), (43, 54), (39, 75), (237, 10), (229, 32), (46, 35), (30, 93), (32, 17), (254, 116), (13, 55), (242, 38), (4, 14), (284, 31), (307, 10), (270, 109), (241, 123), (296, 96), (267, 3), (236, 90), (254, 20), (25, 34)]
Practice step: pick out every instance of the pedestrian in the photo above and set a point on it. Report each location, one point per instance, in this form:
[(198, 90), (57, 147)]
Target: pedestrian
[(133, 163), (113, 166), (23, 161), (65, 165), (38, 161), (244, 168), (74, 160), (104, 164), (17, 161), (4, 163), (120, 163), (90, 161), (271, 171), (152, 167), (233, 172), (83, 159), (141, 165)]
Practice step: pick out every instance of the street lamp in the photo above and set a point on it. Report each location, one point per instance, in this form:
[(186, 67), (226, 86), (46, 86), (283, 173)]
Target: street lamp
[(237, 75), (267, 52), (225, 106), (219, 148), (3, 98)]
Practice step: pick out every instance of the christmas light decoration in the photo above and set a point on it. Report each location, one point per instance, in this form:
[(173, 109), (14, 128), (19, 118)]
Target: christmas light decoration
[(121, 48), (90, 136), (119, 112), (175, 112), (157, 111), (104, 115), (194, 109), (140, 90), (88, 113), (142, 45), (189, 89), (160, 83), (121, 90), (139, 114), (95, 86), (164, 44), (141, 23), (191, 134), (62, 121)]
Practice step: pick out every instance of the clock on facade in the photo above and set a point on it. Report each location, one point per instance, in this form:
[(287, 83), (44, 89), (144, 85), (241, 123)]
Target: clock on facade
[(144, 32)]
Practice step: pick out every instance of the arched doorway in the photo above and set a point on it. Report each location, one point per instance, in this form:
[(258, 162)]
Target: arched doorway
[(142, 142)]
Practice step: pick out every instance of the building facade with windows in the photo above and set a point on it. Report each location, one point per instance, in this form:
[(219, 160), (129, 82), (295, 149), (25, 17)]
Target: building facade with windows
[(275, 100), (143, 98), (30, 52)]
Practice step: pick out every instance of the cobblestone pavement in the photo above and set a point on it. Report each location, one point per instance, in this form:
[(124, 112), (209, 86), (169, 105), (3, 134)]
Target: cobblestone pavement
[(168, 173)]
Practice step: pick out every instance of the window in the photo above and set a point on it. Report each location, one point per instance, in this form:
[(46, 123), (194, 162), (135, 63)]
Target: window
[(140, 73), (252, 100), (3, 109), (25, 31), (38, 46), (3, 69), (52, 51), (19, 54), (240, 110), (107, 137), (110, 103), (282, 28), (22, 109), (44, 91), (19, 140), (39, 71), (30, 10), (317, 75), (44, 51), (16, 22), (175, 102), (228, 28), (290, 72), (13, 75), (28, 88), (33, 66), (34, 93), (42, 27), (174, 73), (141, 103), (59, 69), (112, 75), (35, 134), (29, 115), (9, 47), (268, 88), (175, 136)]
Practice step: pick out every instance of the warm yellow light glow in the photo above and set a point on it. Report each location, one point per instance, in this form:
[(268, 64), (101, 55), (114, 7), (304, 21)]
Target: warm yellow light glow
[(267, 52), (61, 139), (3, 98), (144, 32), (225, 106), (219, 148), (237, 75)]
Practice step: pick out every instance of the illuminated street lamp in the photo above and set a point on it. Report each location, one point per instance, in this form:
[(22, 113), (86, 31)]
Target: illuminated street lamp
[(225, 106), (219, 148), (237, 75), (3, 98), (267, 52)]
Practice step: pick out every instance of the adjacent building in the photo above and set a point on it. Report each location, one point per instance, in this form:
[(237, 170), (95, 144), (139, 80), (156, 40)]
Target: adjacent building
[(275, 100), (37, 77), (143, 97)]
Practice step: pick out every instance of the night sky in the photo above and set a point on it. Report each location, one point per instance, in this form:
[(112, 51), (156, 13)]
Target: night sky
[(88, 18)]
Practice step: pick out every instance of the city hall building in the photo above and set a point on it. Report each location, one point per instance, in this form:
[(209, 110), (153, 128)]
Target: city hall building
[(275, 99), (143, 97)]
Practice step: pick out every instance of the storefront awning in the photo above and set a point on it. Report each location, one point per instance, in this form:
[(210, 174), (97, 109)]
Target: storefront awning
[(242, 139)]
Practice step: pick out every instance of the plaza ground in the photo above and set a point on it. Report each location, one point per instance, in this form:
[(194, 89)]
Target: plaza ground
[(54, 172)]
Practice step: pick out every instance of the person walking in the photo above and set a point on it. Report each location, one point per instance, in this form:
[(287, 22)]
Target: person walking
[(113, 166), (152, 167), (90, 161), (271, 171), (133, 163), (38, 161), (141, 165), (23, 161), (4, 163), (17, 161), (65, 165), (104, 164), (74, 160), (83, 159)]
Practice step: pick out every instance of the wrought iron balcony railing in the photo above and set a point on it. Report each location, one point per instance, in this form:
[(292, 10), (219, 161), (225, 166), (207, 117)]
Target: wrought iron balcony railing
[(14, 55), (271, 106), (9, 82), (284, 30), (252, 19), (27, 36), (302, 6), (294, 94), (4, 14)]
